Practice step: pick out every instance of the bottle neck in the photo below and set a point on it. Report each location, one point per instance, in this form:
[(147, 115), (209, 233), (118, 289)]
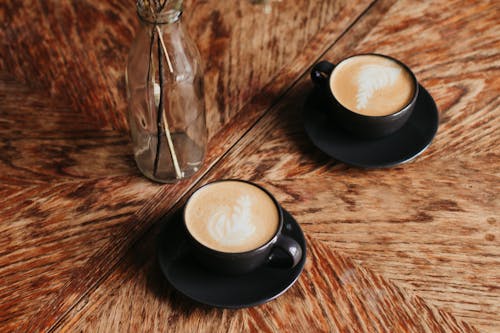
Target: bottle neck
[(167, 13)]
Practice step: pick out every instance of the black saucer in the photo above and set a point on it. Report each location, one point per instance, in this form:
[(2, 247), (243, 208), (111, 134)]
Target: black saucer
[(400, 147), (207, 287)]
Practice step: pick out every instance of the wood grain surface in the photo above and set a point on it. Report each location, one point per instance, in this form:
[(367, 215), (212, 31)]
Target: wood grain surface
[(428, 226), (73, 201), (334, 294), (413, 248), (431, 225)]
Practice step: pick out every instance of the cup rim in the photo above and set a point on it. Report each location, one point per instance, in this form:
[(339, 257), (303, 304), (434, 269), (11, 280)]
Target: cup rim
[(395, 114), (252, 251)]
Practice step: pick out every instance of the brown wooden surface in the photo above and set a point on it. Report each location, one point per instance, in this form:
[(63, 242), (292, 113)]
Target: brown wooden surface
[(412, 248)]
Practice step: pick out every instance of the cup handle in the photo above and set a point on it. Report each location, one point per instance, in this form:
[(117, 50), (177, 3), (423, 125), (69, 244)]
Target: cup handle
[(321, 72), (290, 247)]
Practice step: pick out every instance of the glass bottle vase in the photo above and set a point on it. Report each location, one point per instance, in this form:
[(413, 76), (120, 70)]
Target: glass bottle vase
[(165, 95)]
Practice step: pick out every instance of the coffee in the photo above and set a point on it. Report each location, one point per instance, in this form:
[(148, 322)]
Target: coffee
[(372, 85), (231, 216)]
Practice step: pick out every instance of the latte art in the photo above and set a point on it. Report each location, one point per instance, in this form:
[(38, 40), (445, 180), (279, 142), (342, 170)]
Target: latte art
[(231, 216), (372, 85), (232, 225), (372, 78)]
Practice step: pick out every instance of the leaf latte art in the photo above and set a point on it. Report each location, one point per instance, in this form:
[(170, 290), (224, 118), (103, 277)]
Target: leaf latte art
[(232, 225), (372, 85), (232, 216), (372, 78)]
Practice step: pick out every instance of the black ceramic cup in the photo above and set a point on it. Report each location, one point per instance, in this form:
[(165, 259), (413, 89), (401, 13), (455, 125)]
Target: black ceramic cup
[(280, 251), (363, 126)]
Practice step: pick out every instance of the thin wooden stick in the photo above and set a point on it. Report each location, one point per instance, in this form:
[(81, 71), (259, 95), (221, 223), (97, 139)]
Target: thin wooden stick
[(178, 171), (161, 109), (164, 50), (171, 147)]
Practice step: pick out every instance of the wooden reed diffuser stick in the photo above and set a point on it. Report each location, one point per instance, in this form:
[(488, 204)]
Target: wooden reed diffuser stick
[(161, 110), (155, 8), (171, 69)]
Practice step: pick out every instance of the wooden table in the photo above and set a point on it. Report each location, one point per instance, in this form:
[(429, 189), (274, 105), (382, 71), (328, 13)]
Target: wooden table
[(412, 248)]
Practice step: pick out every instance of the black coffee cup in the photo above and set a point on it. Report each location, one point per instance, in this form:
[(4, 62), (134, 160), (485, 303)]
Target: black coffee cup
[(364, 126), (279, 251)]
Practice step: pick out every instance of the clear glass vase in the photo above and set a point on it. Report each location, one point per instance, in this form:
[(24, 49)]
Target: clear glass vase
[(165, 95)]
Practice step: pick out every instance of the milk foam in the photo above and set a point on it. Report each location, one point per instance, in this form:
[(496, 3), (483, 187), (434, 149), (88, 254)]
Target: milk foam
[(372, 78), (372, 85), (232, 216), (232, 225)]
